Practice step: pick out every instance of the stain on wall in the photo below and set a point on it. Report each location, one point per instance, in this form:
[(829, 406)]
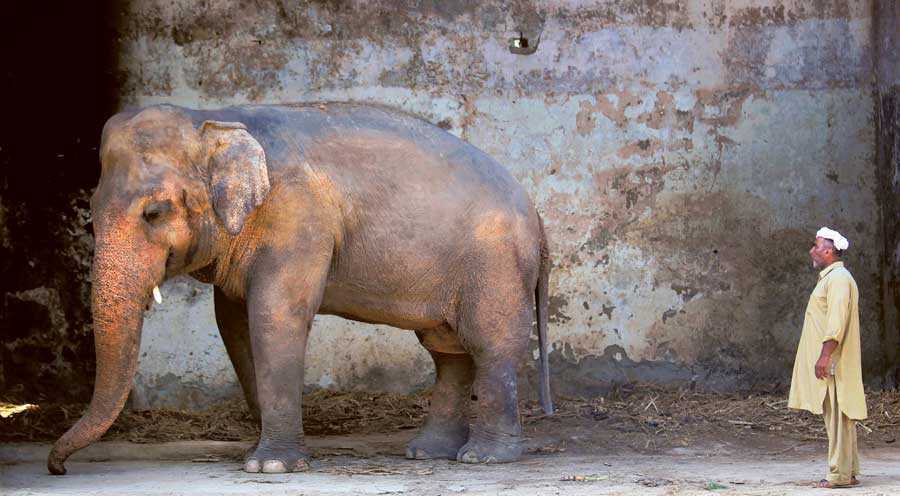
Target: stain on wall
[(887, 160), (683, 154)]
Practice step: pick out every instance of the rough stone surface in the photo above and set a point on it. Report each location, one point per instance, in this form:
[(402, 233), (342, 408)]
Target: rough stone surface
[(682, 153)]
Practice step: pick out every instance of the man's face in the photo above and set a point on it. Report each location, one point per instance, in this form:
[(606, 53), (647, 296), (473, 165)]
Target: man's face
[(821, 253)]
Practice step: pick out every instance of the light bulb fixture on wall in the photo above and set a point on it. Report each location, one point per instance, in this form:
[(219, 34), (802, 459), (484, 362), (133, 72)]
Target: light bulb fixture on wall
[(521, 45)]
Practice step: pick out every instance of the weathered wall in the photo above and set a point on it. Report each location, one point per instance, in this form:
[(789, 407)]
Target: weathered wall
[(887, 162), (683, 153)]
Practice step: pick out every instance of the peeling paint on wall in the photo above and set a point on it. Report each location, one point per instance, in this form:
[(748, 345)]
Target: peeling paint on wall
[(682, 153)]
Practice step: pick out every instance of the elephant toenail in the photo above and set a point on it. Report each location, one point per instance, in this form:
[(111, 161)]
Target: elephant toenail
[(251, 466), (469, 457), (274, 467)]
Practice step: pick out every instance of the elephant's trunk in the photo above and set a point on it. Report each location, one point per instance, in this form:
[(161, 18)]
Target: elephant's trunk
[(121, 289)]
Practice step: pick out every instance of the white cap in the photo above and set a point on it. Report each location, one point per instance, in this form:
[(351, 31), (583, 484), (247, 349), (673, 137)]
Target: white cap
[(839, 241)]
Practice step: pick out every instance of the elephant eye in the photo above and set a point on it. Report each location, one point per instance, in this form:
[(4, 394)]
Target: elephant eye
[(155, 211)]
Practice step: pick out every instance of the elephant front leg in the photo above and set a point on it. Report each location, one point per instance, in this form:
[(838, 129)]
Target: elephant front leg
[(231, 318), (279, 344), (279, 326)]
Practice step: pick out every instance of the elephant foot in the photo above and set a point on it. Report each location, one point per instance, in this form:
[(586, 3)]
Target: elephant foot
[(491, 449), (277, 460), (441, 441), (250, 450)]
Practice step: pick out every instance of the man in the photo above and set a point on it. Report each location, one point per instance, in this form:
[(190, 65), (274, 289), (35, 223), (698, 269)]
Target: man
[(827, 371)]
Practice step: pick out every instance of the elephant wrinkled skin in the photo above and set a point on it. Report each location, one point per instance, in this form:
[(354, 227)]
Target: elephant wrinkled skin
[(342, 209)]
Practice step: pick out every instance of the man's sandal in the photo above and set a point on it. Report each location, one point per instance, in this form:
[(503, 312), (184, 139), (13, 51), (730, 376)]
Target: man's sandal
[(824, 484)]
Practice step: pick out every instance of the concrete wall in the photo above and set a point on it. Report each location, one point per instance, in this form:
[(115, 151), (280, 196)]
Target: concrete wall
[(683, 154), (887, 161)]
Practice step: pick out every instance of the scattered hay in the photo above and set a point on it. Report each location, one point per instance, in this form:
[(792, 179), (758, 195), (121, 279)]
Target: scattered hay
[(228, 422), (330, 413), (9, 409), (660, 413), (656, 416), (371, 469), (324, 413)]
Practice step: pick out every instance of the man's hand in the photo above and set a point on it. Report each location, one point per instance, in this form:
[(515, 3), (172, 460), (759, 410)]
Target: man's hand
[(824, 360), (822, 367)]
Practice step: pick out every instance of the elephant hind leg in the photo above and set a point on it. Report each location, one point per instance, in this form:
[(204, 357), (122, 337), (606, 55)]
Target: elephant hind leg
[(495, 325), (446, 427)]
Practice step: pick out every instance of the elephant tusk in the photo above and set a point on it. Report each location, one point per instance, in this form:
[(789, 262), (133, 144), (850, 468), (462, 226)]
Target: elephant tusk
[(157, 295)]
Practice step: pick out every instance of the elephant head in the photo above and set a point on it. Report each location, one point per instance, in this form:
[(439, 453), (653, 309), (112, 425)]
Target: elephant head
[(172, 194)]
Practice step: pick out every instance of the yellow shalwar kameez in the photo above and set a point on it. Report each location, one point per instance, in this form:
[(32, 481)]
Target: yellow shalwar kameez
[(833, 314)]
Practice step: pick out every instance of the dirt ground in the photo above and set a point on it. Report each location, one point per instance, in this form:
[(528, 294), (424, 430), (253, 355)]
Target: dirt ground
[(636, 440), (363, 465)]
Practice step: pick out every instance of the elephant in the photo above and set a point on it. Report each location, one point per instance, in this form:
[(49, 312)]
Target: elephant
[(348, 209)]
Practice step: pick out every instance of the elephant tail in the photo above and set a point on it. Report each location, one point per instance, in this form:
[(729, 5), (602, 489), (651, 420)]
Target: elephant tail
[(542, 308)]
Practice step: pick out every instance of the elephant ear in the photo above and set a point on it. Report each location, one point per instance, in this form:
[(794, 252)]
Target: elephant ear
[(238, 179)]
